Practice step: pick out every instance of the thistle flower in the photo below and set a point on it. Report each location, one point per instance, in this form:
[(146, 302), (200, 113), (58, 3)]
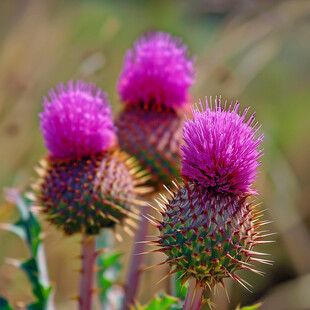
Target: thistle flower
[(209, 228), (154, 85), (77, 120), (221, 150), (86, 182), (156, 72)]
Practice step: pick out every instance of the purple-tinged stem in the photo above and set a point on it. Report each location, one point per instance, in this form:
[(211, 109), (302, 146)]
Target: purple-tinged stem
[(190, 294), (193, 300), (87, 275), (137, 261), (197, 300)]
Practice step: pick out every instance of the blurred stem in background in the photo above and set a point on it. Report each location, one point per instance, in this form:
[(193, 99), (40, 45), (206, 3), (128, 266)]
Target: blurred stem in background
[(137, 261)]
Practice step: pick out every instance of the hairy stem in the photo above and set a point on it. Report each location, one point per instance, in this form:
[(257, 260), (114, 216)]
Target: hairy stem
[(193, 299), (137, 261), (87, 276)]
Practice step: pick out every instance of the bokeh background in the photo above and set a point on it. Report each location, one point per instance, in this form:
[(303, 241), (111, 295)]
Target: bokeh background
[(256, 51)]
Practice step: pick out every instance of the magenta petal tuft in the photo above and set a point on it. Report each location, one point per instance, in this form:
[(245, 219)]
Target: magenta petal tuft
[(221, 149), (77, 120), (158, 71)]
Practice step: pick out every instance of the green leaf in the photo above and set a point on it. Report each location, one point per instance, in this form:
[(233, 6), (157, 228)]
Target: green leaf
[(29, 223), (28, 228), (160, 302), (110, 268), (4, 305), (35, 306), (108, 260), (31, 269), (254, 307), (181, 290)]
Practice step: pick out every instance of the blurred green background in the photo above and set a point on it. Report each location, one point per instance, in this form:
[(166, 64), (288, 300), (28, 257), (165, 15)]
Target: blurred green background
[(256, 51)]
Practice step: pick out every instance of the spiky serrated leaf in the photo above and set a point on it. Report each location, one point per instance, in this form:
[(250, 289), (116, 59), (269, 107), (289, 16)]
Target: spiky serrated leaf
[(32, 231), (29, 229), (4, 305), (160, 302), (253, 307), (31, 269), (29, 223)]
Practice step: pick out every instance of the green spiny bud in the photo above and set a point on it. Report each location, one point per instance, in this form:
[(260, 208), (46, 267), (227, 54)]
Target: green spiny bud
[(208, 237)]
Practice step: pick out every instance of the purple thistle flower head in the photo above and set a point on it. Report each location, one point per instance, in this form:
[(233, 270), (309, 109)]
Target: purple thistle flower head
[(77, 120), (221, 149), (157, 71)]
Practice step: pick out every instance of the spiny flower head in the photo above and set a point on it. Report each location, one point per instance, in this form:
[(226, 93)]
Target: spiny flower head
[(208, 228), (87, 193), (77, 120), (157, 72), (221, 149), (86, 183), (208, 237)]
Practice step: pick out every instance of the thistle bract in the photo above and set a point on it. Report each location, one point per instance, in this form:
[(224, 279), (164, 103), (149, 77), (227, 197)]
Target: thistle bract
[(87, 193), (154, 138), (85, 182), (208, 237), (209, 228), (154, 85)]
